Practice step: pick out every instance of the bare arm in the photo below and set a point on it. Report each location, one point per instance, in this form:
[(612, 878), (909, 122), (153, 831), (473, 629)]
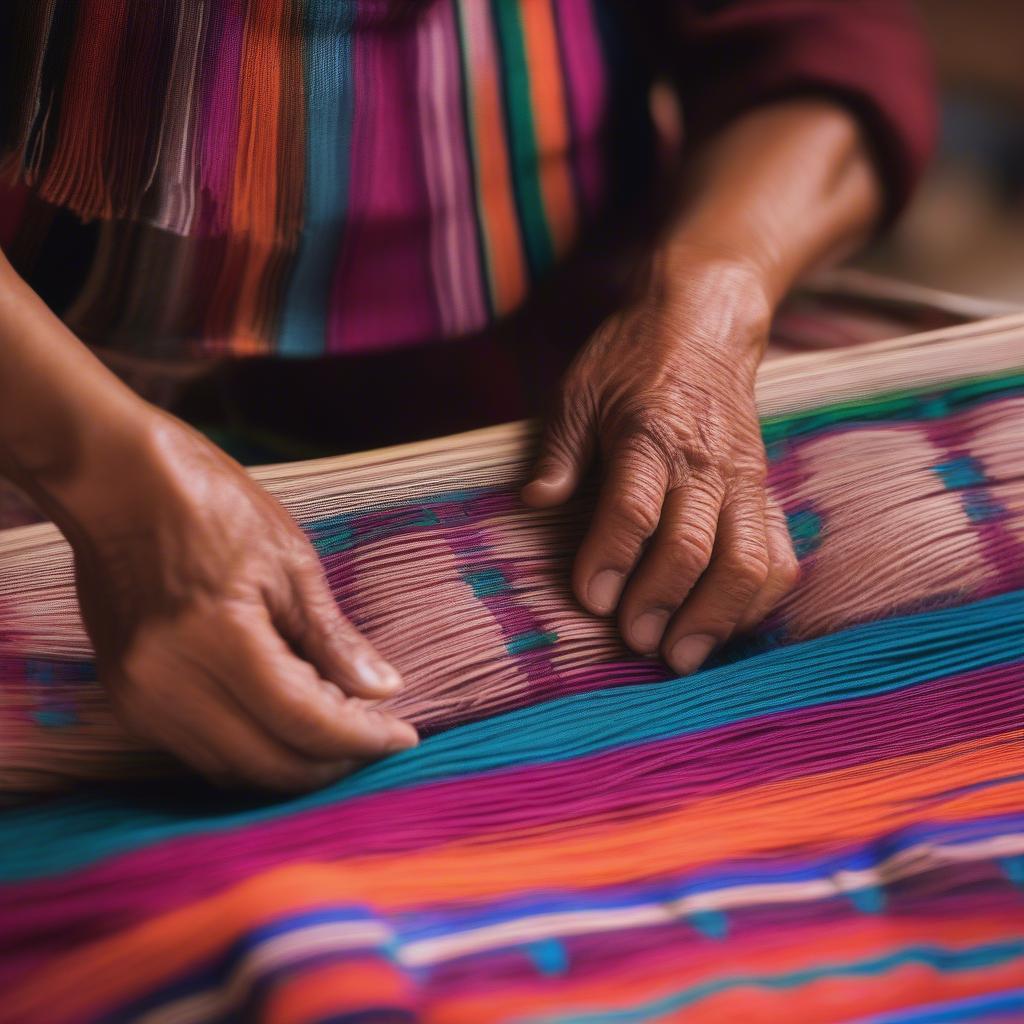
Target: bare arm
[(215, 632), (685, 544)]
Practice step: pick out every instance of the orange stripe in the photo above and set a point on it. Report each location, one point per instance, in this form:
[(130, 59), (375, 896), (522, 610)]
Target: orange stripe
[(620, 988), (78, 175), (266, 194), (817, 812), (550, 120), (506, 261), (337, 988)]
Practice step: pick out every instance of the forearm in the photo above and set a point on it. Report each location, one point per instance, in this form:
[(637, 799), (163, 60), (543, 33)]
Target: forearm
[(63, 415), (782, 190)]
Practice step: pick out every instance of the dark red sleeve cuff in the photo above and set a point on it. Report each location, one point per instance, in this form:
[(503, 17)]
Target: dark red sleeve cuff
[(869, 55)]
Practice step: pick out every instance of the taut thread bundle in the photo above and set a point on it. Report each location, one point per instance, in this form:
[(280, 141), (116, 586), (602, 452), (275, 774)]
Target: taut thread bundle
[(826, 824)]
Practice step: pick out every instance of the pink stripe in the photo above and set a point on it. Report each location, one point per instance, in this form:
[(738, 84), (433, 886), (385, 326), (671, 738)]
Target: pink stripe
[(586, 86), (120, 892), (218, 127), (455, 257), (383, 295)]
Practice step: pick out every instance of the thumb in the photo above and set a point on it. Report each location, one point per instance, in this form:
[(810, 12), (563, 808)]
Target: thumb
[(566, 450)]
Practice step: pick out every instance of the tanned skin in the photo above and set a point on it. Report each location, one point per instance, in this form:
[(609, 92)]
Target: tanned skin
[(215, 633)]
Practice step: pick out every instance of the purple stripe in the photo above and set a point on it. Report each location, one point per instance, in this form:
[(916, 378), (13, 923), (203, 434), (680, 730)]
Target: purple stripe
[(510, 612), (957, 437), (975, 889), (645, 779), (218, 127), (586, 87), (382, 296)]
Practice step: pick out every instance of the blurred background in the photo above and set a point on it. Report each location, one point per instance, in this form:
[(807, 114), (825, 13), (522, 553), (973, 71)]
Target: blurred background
[(965, 229)]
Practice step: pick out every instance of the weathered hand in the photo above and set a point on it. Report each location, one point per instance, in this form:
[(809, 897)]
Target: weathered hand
[(684, 541), (214, 629)]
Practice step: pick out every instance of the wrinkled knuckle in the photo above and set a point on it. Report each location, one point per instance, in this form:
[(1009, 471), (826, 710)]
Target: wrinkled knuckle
[(755, 571), (748, 571), (651, 436), (688, 556), (234, 616), (787, 572), (638, 513), (751, 473)]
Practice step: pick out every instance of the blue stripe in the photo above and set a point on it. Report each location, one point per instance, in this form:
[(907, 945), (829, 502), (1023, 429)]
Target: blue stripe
[(329, 111), (426, 924), (550, 954), (980, 1008), (945, 960), (868, 660), (214, 972)]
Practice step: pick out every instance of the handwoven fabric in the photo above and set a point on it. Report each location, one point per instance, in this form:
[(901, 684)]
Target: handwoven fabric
[(350, 176), (827, 824)]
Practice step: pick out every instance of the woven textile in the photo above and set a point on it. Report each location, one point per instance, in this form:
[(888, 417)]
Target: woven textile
[(827, 824), (301, 177), (277, 167)]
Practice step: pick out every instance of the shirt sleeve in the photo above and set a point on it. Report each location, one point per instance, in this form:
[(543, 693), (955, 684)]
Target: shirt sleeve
[(869, 55)]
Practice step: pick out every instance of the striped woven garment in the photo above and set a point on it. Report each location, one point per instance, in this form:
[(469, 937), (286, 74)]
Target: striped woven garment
[(827, 824), (261, 173)]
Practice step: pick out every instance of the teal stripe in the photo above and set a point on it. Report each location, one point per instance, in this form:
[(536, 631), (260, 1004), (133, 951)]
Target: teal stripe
[(532, 641), (948, 961), (524, 155), (897, 405), (866, 661), (329, 112)]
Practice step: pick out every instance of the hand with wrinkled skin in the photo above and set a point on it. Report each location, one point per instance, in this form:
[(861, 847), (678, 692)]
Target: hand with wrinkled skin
[(213, 626), (215, 633), (685, 545)]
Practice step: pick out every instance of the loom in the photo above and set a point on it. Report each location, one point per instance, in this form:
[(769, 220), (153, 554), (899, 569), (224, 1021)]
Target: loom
[(826, 823)]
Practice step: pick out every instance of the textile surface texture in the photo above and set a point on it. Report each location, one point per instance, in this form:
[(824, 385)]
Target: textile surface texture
[(825, 824), (187, 178)]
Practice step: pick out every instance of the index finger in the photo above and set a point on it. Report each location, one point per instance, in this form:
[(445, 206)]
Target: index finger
[(289, 699), (626, 515)]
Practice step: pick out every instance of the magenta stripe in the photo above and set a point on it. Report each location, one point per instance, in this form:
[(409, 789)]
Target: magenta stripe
[(382, 296), (218, 126), (124, 890), (586, 86), (958, 437), (974, 889)]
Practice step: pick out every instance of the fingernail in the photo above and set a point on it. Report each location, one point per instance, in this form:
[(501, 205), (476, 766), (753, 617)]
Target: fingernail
[(377, 675), (689, 653), (647, 629), (603, 591), (550, 477)]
